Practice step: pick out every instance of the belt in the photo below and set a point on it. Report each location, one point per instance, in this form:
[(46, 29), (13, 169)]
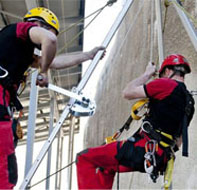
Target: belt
[(163, 138)]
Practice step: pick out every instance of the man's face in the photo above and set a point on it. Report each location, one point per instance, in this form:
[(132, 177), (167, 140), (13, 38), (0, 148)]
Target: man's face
[(167, 73)]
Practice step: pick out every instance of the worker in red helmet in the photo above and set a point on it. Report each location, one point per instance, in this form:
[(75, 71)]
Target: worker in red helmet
[(175, 62), (17, 44), (152, 147)]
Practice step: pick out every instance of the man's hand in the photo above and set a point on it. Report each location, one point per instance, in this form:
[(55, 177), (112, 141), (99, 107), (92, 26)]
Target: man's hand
[(150, 69), (42, 80), (94, 51)]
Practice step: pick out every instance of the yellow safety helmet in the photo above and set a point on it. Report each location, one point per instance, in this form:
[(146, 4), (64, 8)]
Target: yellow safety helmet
[(45, 14)]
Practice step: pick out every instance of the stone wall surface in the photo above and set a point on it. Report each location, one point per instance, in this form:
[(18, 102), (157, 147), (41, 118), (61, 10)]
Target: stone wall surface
[(129, 56)]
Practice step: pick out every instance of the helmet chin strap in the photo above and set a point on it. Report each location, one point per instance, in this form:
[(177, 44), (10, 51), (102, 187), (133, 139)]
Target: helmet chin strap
[(172, 74), (178, 71)]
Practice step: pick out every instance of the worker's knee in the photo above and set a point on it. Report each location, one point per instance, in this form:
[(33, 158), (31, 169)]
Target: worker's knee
[(81, 154)]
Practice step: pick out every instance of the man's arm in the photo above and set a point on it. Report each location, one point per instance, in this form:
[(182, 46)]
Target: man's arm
[(48, 42), (135, 88), (72, 59)]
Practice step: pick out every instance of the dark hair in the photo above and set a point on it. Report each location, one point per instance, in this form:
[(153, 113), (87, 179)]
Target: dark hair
[(179, 70)]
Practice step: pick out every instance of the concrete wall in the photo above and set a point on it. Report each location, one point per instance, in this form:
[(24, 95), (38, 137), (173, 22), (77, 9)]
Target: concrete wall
[(128, 59)]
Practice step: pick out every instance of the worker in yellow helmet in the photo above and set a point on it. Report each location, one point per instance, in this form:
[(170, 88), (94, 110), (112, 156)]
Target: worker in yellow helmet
[(46, 17), (48, 21), (17, 43)]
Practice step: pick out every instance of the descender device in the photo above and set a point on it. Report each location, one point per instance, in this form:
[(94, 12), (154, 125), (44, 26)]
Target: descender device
[(83, 106)]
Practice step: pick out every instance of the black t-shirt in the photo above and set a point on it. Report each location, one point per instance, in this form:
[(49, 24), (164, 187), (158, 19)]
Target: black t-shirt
[(167, 104), (16, 49)]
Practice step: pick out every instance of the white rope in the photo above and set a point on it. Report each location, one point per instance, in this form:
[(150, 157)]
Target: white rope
[(152, 31), (5, 71), (128, 31)]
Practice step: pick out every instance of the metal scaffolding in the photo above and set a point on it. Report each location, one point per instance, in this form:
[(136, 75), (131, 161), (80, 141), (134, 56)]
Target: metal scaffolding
[(75, 98), (72, 101)]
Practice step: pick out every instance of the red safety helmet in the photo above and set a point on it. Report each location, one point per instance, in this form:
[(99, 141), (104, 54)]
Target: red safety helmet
[(175, 60)]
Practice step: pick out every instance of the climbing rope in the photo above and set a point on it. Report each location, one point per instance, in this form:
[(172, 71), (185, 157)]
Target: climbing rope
[(165, 17), (166, 3), (98, 11), (80, 21), (136, 108), (109, 3), (178, 3), (11, 15), (118, 178), (130, 119), (128, 31), (78, 34), (51, 175), (152, 31)]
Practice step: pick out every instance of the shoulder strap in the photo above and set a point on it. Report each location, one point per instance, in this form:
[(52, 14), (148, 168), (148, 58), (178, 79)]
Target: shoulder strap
[(189, 112)]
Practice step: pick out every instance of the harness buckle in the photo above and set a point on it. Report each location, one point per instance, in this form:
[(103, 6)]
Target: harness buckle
[(164, 139), (146, 127)]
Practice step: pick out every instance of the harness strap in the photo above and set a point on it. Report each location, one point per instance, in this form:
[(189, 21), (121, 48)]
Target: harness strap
[(185, 137), (164, 139), (189, 111), (9, 85), (136, 107), (168, 173), (151, 146)]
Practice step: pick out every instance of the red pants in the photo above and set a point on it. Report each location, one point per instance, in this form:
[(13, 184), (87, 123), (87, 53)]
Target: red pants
[(96, 167), (8, 167)]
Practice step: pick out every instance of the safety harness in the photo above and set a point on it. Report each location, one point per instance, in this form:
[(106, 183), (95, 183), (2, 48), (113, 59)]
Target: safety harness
[(7, 111), (136, 108), (8, 83), (159, 138)]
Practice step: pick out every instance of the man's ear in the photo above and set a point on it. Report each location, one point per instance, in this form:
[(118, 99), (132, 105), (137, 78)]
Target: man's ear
[(165, 73)]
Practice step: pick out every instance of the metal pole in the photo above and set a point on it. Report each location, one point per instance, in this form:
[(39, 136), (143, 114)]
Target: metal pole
[(52, 106), (59, 160), (81, 85), (31, 122), (159, 30), (187, 24), (105, 43), (45, 147), (54, 112), (70, 152)]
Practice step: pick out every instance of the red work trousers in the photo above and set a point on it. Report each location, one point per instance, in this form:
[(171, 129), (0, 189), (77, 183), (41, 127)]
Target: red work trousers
[(96, 167), (8, 167)]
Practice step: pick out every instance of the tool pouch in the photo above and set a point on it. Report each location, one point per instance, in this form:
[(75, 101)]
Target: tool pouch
[(8, 83), (17, 131)]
